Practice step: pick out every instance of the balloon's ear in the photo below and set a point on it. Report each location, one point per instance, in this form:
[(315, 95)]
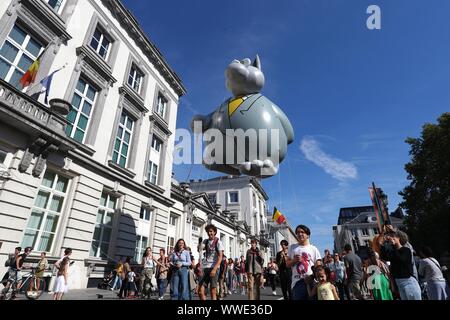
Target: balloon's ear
[(257, 62)]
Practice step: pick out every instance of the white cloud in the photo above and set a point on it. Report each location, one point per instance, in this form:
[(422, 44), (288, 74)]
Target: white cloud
[(337, 168)]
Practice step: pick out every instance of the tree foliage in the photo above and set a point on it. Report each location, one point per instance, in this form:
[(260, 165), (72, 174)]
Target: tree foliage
[(427, 198)]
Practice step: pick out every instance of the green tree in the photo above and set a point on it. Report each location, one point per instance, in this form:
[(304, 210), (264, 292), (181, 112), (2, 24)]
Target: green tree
[(427, 199)]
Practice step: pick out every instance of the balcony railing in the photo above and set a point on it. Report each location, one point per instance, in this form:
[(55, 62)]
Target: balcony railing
[(32, 110)]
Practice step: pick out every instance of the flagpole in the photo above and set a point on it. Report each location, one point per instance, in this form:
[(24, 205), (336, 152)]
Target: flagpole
[(290, 229), (37, 59), (35, 84), (378, 204), (386, 218)]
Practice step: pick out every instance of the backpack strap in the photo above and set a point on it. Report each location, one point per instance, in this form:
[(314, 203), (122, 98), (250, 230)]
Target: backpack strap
[(215, 242), (217, 245), (435, 263)]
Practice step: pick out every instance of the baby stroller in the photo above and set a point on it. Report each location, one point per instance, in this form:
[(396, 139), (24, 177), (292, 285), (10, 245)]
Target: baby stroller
[(107, 281)]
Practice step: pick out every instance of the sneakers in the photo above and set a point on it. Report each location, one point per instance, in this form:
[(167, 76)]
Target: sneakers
[(274, 293)]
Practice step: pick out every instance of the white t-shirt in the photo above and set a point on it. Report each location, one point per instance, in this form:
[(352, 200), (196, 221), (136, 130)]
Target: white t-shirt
[(211, 253), (430, 269), (131, 276), (149, 263), (310, 254)]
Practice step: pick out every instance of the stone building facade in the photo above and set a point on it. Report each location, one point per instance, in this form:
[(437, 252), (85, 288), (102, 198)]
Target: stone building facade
[(98, 179)]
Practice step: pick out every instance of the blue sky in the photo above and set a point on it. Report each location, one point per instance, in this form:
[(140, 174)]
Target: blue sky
[(353, 95)]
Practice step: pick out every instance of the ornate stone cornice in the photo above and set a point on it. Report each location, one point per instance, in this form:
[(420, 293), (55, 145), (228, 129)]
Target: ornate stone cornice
[(160, 123), (95, 65), (259, 187), (48, 19), (134, 98), (105, 170), (134, 30)]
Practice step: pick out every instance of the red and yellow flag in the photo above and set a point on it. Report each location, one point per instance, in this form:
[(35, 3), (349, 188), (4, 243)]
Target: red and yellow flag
[(278, 217), (29, 76)]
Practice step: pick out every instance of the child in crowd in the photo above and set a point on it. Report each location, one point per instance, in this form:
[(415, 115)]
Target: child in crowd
[(324, 289), (132, 284)]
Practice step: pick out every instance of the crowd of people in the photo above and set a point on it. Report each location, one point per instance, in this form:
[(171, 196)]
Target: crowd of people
[(392, 270)]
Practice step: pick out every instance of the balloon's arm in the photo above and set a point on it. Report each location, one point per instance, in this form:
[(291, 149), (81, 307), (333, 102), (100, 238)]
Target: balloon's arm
[(287, 126)]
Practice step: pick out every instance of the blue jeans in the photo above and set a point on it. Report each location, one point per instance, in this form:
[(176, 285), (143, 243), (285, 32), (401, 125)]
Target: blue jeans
[(436, 290), (117, 283), (341, 291), (180, 284), (409, 289), (230, 280), (162, 285), (299, 291)]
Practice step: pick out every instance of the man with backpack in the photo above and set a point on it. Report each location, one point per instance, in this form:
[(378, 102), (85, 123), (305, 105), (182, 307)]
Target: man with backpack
[(11, 275), (20, 259), (211, 263), (254, 268)]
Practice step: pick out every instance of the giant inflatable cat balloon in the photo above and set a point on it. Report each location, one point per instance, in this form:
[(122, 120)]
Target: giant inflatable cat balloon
[(247, 109)]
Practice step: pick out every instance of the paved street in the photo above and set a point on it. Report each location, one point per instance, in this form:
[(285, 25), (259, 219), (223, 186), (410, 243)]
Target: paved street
[(94, 294)]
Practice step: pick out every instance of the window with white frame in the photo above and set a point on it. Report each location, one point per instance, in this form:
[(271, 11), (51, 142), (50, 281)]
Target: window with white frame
[(233, 197), (156, 144), (195, 233), (82, 104), (103, 226), (354, 232), (123, 140), (135, 78), (212, 197), (145, 213), (17, 54), (141, 245), (365, 232), (46, 212), (170, 244), (152, 172), (223, 239), (56, 5), (161, 106), (173, 220), (100, 43)]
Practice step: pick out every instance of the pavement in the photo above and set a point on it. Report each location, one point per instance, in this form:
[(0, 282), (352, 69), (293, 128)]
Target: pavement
[(96, 294)]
